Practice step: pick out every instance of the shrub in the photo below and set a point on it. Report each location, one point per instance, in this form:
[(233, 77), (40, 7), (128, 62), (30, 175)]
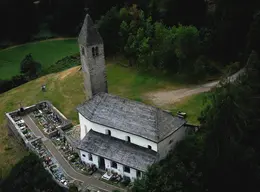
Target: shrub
[(63, 64)]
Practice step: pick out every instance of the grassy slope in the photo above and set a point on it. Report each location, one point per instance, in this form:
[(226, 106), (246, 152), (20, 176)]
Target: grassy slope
[(192, 105), (45, 52)]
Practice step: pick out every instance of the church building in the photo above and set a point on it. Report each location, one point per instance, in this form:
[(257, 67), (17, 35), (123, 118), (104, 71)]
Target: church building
[(118, 134)]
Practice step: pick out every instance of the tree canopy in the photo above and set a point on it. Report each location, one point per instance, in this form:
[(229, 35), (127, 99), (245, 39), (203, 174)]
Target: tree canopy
[(29, 175)]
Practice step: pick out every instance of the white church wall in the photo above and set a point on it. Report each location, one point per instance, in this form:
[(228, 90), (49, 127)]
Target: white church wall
[(167, 144), (86, 125), (120, 170)]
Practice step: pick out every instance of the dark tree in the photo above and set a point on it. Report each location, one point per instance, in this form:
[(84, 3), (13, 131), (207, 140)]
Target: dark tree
[(231, 24), (185, 12), (254, 35), (29, 175), (18, 20), (29, 67), (109, 26)]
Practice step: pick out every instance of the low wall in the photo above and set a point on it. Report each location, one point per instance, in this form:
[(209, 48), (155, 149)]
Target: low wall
[(14, 130)]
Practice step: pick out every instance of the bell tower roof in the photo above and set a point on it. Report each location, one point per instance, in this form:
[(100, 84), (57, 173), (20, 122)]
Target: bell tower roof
[(89, 34)]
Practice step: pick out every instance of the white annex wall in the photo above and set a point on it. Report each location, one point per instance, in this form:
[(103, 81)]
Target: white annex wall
[(85, 158), (120, 168), (86, 126), (168, 143)]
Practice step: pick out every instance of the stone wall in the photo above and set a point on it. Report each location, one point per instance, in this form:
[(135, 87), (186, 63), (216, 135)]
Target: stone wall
[(14, 130)]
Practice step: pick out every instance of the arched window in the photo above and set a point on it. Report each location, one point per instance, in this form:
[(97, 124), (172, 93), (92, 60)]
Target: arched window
[(108, 132), (96, 51), (128, 139), (90, 158), (82, 51), (149, 147), (93, 51)]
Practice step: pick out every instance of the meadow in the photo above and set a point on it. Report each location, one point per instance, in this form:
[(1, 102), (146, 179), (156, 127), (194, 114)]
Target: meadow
[(46, 52)]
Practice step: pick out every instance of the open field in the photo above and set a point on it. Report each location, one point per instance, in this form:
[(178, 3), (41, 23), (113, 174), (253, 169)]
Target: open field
[(45, 52)]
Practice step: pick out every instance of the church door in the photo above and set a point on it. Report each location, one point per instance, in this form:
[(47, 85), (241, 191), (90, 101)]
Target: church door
[(101, 163)]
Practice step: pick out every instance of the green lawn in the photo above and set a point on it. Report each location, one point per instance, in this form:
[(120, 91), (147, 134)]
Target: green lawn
[(45, 52), (131, 83), (192, 105)]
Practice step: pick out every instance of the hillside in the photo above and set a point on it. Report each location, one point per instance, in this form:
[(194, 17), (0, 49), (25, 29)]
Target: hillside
[(46, 52), (65, 90)]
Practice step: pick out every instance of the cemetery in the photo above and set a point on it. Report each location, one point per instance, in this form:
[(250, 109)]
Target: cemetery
[(51, 164), (49, 120), (20, 129), (40, 123)]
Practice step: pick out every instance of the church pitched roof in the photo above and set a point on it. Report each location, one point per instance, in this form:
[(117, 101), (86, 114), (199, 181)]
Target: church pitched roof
[(130, 116), (89, 34), (118, 150)]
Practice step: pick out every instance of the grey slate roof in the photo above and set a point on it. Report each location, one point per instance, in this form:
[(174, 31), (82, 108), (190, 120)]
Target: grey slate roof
[(118, 150), (89, 34), (130, 116)]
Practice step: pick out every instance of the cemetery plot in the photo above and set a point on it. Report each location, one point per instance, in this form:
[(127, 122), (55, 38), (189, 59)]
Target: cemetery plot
[(23, 129), (50, 163), (72, 156), (46, 120)]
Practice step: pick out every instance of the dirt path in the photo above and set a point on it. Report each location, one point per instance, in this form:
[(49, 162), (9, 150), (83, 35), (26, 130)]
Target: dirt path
[(162, 98)]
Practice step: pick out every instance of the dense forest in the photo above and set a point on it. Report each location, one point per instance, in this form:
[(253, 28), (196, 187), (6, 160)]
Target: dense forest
[(29, 175), (196, 38)]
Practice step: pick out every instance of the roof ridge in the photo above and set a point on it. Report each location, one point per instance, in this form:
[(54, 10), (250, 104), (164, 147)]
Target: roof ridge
[(101, 95)]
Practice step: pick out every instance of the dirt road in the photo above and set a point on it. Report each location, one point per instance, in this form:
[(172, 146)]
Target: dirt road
[(162, 98)]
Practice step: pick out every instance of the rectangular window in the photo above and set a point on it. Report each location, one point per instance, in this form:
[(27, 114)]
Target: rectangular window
[(82, 51), (126, 169), (114, 164), (90, 157), (138, 173)]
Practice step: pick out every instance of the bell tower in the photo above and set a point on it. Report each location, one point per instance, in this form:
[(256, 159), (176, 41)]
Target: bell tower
[(92, 58)]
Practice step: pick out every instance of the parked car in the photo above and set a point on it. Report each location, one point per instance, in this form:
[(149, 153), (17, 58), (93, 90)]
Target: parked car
[(181, 114)]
